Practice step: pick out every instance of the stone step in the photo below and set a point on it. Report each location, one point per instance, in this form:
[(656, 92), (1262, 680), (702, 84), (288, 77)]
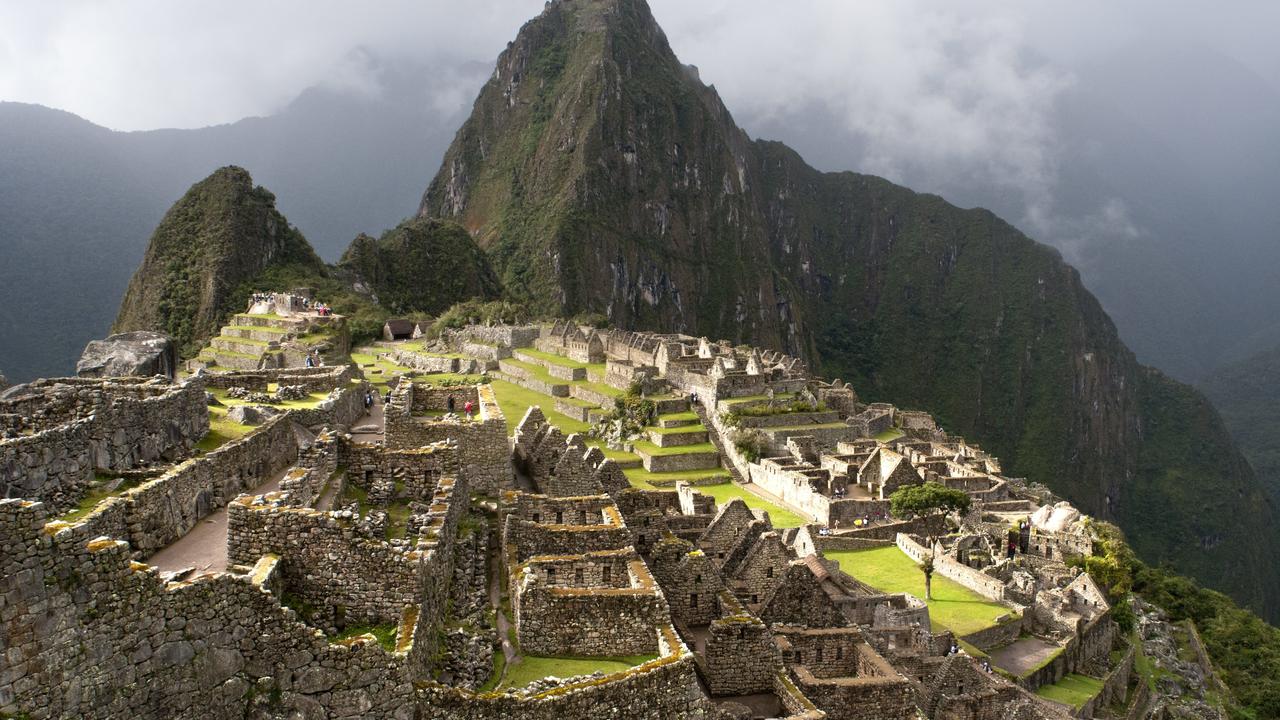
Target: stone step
[(522, 377), (674, 422), (675, 437), (286, 323), (671, 462), (254, 332), (235, 361), (670, 404), (594, 397), (577, 410), (559, 372), (238, 345)]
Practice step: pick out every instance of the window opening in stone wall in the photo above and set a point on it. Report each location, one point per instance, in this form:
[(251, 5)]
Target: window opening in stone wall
[(577, 576), (606, 573), (693, 600)]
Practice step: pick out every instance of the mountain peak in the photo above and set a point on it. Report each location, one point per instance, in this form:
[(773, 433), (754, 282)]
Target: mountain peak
[(224, 231), (600, 175)]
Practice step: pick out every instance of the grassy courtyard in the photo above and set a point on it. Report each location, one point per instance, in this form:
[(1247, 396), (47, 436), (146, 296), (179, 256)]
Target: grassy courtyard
[(532, 667), (954, 607), (1074, 690)]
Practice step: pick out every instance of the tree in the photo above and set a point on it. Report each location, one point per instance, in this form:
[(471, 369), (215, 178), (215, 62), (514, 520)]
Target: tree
[(913, 500), (926, 567)]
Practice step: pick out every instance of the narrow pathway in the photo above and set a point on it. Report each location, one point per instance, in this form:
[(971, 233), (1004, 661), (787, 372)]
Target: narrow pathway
[(495, 599), (325, 502), (204, 547), (374, 418), (714, 435)]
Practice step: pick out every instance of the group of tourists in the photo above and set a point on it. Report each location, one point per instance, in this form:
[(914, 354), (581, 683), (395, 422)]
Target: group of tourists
[(314, 359)]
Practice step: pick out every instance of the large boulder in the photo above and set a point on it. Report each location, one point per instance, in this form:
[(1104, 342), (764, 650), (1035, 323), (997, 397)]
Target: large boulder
[(141, 352)]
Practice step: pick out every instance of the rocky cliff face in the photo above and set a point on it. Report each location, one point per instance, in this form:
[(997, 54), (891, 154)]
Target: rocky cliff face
[(601, 175), (422, 265), (224, 232)]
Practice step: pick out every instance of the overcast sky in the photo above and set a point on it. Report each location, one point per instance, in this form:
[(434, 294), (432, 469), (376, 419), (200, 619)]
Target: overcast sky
[(142, 64), (955, 88)]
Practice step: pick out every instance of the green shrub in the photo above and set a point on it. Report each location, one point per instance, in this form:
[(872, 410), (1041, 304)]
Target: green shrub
[(913, 500)]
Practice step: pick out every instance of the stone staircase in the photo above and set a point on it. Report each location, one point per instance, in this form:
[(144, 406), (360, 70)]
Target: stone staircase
[(251, 342)]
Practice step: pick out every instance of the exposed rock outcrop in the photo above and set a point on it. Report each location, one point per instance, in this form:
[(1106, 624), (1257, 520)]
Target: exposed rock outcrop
[(141, 352)]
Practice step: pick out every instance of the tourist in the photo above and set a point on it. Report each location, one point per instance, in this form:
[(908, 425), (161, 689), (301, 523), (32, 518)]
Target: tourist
[(467, 409), (309, 362), (453, 404)]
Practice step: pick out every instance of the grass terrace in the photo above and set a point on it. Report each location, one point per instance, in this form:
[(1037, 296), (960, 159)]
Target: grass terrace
[(652, 449), (222, 430), (99, 490), (1073, 690), (561, 360), (890, 435), (757, 398), (531, 667), (953, 607), (646, 480), (780, 516)]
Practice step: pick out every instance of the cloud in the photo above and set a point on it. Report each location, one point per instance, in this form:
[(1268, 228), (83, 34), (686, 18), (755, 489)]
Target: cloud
[(142, 64)]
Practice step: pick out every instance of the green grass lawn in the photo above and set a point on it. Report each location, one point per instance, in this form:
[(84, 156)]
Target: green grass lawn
[(889, 435), (515, 400), (651, 449), (1074, 690), (222, 430), (646, 480), (689, 416), (780, 516), (953, 607), (757, 398), (532, 668)]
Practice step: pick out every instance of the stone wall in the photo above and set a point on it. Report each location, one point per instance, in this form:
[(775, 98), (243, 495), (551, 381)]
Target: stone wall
[(740, 656), (155, 514), (662, 689), (484, 452), (53, 465), (115, 424), (580, 620), (216, 648), (977, 581)]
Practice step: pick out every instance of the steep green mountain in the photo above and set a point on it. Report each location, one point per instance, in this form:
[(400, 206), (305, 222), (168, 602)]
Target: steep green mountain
[(1247, 393), (601, 175), (422, 265), (222, 233), (78, 201)]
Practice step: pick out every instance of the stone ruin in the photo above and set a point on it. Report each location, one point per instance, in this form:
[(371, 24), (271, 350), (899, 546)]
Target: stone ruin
[(355, 576)]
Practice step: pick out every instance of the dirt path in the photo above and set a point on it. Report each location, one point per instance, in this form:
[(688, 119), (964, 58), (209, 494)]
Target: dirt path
[(204, 548)]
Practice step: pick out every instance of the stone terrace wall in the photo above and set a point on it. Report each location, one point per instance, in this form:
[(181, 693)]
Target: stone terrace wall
[(314, 379), (977, 581), (209, 649), (54, 465), (662, 689), (484, 452), (82, 423)]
